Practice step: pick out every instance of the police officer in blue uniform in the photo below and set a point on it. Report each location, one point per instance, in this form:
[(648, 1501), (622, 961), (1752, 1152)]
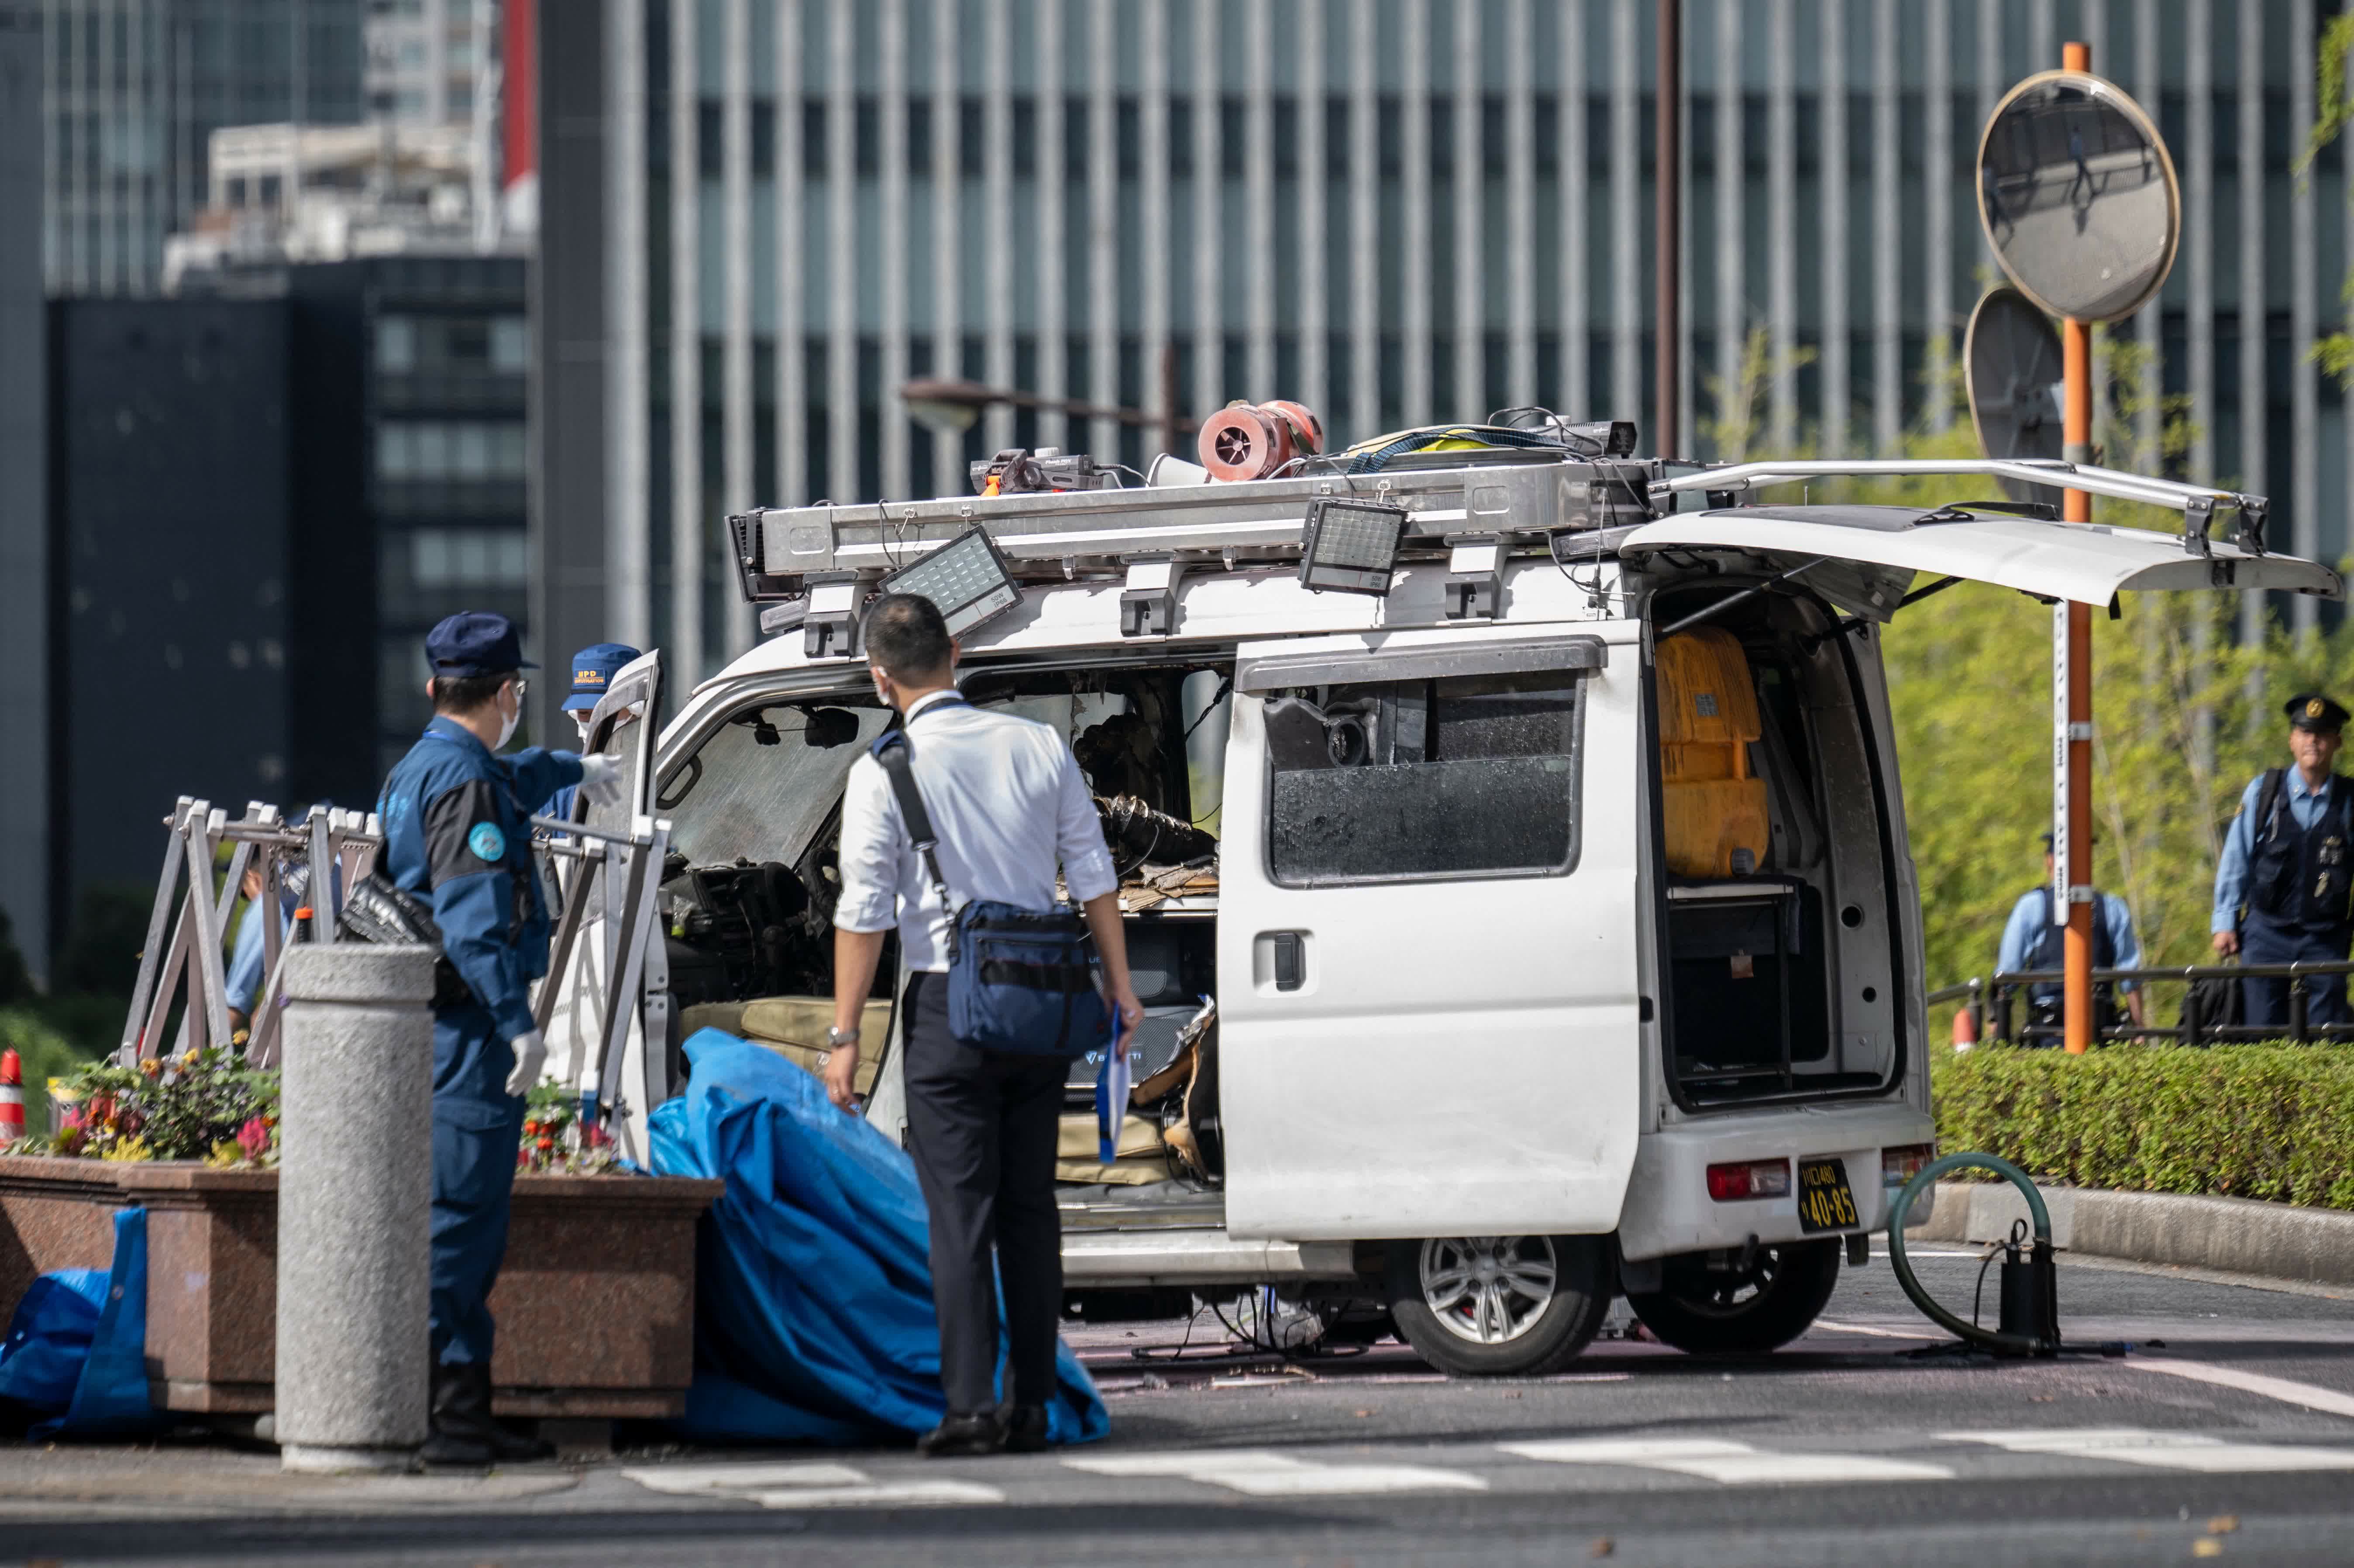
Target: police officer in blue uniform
[(593, 669), (457, 834), (2282, 887)]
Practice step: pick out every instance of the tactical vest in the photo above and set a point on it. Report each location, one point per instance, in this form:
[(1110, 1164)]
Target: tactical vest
[(2300, 876), (2048, 952)]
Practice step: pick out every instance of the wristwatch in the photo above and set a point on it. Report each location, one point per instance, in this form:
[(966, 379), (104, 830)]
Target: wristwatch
[(837, 1038)]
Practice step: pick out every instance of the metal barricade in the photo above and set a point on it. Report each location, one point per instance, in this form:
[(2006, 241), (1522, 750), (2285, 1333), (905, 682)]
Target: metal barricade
[(1993, 1004)]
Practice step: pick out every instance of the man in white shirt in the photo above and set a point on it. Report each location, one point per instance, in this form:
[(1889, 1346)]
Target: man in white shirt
[(1008, 805)]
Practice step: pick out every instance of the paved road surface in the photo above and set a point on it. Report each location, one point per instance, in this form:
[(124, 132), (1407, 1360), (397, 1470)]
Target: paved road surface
[(2227, 1434)]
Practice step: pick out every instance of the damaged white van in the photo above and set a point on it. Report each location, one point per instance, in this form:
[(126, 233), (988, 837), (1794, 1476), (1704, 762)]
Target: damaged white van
[(1512, 847)]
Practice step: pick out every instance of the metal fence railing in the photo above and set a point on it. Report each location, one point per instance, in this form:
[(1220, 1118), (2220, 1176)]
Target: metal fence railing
[(1995, 1004)]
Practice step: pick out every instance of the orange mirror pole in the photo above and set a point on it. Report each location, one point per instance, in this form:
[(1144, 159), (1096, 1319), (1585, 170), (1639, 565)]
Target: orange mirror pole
[(2076, 874)]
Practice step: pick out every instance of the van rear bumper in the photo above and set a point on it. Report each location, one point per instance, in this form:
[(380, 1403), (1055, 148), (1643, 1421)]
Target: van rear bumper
[(1667, 1209)]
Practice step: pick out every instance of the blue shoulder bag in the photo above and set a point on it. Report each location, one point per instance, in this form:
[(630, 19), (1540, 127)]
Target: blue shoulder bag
[(1020, 981)]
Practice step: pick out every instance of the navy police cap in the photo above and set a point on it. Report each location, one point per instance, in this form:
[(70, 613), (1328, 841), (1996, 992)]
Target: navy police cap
[(475, 642), (2311, 710), (593, 669)]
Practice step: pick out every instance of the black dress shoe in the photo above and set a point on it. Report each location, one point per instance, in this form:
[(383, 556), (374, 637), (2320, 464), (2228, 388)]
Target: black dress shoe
[(446, 1450), (1025, 1428), (963, 1437)]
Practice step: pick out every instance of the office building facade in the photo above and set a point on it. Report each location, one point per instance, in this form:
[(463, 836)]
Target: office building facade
[(24, 842), (133, 90), (1393, 210)]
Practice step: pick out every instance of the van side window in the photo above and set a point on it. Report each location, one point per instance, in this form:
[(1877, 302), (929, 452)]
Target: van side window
[(1413, 781)]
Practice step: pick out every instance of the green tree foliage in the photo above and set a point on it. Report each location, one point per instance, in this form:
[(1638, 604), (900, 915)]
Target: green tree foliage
[(2183, 715), (2274, 1122)]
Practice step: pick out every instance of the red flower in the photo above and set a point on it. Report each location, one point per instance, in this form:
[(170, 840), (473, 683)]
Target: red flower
[(254, 1138)]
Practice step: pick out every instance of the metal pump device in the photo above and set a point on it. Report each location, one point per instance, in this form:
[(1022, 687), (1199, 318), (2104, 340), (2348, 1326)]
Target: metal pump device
[(2030, 1293)]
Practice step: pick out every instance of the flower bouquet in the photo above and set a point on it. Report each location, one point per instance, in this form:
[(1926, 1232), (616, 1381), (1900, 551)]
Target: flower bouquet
[(202, 1105), (556, 1141)]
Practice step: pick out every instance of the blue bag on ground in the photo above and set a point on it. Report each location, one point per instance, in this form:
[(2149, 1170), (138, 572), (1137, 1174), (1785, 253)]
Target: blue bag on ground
[(813, 1299), (77, 1348)]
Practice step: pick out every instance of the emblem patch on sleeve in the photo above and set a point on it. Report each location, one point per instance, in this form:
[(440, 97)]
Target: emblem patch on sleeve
[(487, 842)]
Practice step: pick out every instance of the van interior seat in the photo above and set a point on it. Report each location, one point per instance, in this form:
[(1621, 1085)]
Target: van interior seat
[(794, 1027)]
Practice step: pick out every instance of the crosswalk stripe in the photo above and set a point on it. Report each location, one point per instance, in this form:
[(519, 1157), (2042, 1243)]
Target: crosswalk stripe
[(883, 1494), (1260, 1474), (2162, 1450), (1729, 1463), (686, 1480)]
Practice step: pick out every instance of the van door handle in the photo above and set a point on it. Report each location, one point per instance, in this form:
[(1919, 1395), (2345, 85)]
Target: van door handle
[(1288, 954)]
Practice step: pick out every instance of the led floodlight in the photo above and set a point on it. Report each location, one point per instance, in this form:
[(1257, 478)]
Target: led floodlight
[(1350, 546), (966, 577)]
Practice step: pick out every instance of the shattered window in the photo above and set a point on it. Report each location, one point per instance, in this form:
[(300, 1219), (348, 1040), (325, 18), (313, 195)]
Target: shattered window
[(1475, 776)]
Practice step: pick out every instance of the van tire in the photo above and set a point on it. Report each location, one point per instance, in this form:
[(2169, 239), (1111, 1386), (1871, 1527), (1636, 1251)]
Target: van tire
[(1712, 1312), (1548, 1338)]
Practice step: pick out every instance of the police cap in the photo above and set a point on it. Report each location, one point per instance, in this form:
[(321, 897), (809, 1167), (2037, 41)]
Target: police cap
[(2311, 710), (593, 669), (475, 642)]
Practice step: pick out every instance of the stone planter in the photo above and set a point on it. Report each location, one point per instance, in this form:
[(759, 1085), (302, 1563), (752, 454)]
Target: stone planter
[(594, 1303)]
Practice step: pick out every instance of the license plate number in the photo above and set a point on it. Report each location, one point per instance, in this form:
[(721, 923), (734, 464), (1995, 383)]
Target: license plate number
[(1824, 1201)]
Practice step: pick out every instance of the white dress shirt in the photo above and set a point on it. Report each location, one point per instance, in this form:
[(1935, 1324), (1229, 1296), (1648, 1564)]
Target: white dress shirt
[(1007, 800)]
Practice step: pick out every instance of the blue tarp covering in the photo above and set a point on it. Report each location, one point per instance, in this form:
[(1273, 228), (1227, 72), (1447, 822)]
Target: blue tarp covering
[(77, 1348), (813, 1301)]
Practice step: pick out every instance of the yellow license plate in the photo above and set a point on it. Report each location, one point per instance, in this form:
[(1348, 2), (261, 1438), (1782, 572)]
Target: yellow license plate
[(1824, 1201)]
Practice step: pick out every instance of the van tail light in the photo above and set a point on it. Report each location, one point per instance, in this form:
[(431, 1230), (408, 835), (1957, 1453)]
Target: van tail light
[(1898, 1166), (1749, 1178)]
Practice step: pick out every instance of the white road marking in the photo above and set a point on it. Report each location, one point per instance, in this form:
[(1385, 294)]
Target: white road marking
[(2286, 1390), (808, 1483), (1257, 1473), (884, 1494), (1732, 1464), (686, 1480), (2162, 1450), (1875, 1333)]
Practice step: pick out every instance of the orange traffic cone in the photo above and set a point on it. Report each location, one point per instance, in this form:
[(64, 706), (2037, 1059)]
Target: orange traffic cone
[(1966, 1029), (12, 1098)]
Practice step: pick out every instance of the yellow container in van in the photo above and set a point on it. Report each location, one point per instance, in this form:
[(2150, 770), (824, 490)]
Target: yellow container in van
[(1715, 809)]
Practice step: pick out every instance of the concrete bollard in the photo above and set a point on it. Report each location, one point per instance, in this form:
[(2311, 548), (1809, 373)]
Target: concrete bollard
[(355, 1196)]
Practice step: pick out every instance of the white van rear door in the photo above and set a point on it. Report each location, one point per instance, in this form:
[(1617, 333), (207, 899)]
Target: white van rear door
[(1427, 933), (2085, 562)]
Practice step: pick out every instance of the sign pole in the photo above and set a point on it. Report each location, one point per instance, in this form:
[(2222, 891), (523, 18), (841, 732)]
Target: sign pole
[(2072, 658)]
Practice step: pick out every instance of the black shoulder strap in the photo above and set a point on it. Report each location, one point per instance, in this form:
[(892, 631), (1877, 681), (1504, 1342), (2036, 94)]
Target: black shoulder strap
[(897, 757), (2267, 801)]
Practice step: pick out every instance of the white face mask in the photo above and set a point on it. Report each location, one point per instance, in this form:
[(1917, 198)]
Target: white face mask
[(508, 721)]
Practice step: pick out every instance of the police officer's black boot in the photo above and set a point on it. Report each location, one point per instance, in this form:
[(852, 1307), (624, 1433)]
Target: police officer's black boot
[(457, 1438), (464, 1431)]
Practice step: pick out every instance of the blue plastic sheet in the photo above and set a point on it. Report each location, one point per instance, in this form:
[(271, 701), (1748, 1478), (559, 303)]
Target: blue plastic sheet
[(813, 1300), (77, 1347)]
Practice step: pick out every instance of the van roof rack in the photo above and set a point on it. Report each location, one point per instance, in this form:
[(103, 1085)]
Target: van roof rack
[(1055, 535), (812, 565), (2197, 503)]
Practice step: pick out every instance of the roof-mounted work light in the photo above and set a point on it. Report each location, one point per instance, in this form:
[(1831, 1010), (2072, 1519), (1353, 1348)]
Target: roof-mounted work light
[(1350, 546), (967, 578)]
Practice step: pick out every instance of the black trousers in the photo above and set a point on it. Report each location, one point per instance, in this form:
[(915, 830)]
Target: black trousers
[(982, 1129), (2266, 941)]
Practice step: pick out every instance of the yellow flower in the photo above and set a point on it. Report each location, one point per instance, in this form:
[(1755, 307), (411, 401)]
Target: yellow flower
[(225, 1154), (129, 1149)]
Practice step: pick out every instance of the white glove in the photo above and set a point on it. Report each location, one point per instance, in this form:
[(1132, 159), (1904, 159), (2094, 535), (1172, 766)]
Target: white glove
[(601, 780), (530, 1056)]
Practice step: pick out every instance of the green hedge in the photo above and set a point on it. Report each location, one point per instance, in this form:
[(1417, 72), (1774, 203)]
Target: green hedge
[(2274, 1122)]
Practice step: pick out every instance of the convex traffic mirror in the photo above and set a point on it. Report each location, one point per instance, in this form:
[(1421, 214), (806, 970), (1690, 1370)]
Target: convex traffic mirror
[(2077, 195)]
